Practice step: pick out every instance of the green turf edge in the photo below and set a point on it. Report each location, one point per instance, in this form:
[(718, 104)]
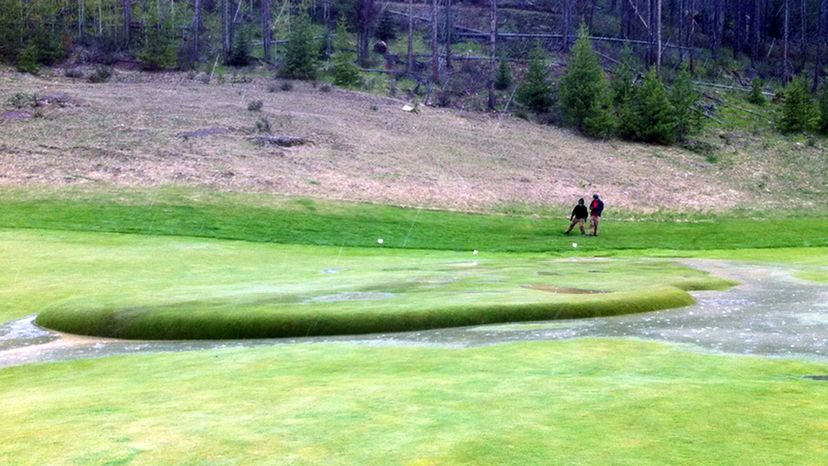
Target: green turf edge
[(169, 323)]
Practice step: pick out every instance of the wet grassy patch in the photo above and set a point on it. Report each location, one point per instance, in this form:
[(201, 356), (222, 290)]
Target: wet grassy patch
[(586, 401)]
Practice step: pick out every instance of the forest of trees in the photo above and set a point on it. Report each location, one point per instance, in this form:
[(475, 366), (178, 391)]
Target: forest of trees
[(781, 40)]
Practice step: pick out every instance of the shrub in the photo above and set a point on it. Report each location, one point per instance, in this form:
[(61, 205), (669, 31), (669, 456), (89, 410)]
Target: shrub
[(286, 86), (344, 70), (443, 99), (255, 106), (23, 100), (797, 110), (300, 51), (586, 102), (756, 96), (27, 60), (263, 125), (101, 74), (325, 88), (535, 91), (503, 78), (74, 73), (653, 116)]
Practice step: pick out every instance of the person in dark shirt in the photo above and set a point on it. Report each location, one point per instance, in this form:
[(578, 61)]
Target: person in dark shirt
[(579, 214), (596, 207)]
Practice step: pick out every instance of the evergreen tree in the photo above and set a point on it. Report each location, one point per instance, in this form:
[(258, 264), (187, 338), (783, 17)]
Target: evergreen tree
[(240, 54), (586, 102), (535, 91), (385, 27), (623, 88), (503, 78), (683, 97), (343, 66), (756, 96), (300, 50), (653, 117), (158, 52), (823, 110), (797, 110)]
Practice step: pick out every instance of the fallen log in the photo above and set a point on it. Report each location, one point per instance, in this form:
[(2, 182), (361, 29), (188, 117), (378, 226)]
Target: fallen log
[(278, 140)]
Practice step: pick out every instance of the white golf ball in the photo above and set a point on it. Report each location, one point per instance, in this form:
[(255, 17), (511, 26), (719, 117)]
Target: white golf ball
[(574, 245), (474, 253), (380, 241)]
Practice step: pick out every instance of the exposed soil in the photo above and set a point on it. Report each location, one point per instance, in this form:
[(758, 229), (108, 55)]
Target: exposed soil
[(143, 130)]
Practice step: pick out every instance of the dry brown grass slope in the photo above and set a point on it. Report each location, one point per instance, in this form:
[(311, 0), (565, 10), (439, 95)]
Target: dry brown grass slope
[(127, 133)]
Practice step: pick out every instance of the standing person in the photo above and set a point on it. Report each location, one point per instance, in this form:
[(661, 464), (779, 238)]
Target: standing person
[(595, 209), (579, 215)]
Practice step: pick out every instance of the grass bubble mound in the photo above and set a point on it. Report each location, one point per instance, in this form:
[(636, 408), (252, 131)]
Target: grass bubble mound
[(186, 288)]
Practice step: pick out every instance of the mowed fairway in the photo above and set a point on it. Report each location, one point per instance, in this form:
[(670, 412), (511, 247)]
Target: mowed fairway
[(149, 287), (593, 401)]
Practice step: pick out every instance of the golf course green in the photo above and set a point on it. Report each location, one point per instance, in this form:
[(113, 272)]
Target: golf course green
[(161, 268)]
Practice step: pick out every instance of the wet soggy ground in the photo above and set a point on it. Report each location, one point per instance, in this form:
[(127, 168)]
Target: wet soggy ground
[(770, 313)]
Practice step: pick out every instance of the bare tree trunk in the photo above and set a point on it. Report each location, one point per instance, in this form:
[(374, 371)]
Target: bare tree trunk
[(821, 42), (409, 63), (786, 64), (197, 22), (266, 39), (492, 55), (225, 28), (567, 24), (739, 29), (449, 33), (366, 19), (657, 25), (326, 15), (127, 22), (100, 18), (718, 26), (435, 46), (81, 17), (756, 31), (803, 42)]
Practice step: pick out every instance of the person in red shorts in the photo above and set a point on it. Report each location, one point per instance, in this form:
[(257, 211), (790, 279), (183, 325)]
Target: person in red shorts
[(596, 207)]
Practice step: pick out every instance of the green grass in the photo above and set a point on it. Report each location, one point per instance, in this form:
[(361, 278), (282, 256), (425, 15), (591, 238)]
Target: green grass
[(593, 401), (298, 221), (139, 286)]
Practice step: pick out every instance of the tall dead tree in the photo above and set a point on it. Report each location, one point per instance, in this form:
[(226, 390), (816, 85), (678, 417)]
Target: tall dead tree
[(786, 26), (435, 45), (449, 33), (266, 30), (225, 28), (566, 27), (656, 25), (127, 22), (492, 54), (718, 26), (326, 17), (803, 29), (367, 14), (821, 42), (409, 62), (197, 22), (756, 31)]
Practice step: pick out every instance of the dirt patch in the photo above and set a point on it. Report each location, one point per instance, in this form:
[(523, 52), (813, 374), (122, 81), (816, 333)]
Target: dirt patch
[(15, 115), (562, 289), (171, 130), (822, 378)]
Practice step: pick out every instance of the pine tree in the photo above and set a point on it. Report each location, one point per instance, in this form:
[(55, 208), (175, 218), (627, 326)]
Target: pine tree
[(653, 116), (240, 54), (385, 27), (301, 50), (503, 79), (586, 102), (756, 96), (535, 91), (823, 110), (343, 66), (683, 97), (623, 87), (797, 110)]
